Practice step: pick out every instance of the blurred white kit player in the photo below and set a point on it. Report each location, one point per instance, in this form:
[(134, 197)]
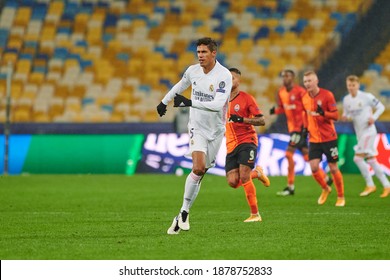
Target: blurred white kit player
[(364, 109), (211, 85)]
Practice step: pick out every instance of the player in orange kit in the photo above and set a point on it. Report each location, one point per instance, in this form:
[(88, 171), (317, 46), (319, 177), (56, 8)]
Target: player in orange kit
[(241, 143), (290, 104), (321, 109)]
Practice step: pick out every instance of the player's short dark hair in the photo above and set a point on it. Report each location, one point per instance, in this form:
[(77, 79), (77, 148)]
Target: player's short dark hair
[(288, 71), (235, 70), (353, 78), (210, 43)]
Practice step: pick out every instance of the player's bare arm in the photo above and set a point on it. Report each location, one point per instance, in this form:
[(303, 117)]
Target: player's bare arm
[(256, 121)]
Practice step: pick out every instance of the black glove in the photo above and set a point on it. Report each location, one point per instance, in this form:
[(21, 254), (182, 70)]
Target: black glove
[(320, 110), (235, 118), (181, 101), (304, 133), (161, 109), (272, 111)]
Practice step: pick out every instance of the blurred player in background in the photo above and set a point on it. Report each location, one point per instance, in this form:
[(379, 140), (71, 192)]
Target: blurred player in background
[(321, 109), (211, 85), (290, 104), (241, 143), (358, 106)]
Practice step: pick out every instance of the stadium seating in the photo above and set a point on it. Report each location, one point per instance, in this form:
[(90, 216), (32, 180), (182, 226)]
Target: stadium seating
[(376, 79), (112, 61)]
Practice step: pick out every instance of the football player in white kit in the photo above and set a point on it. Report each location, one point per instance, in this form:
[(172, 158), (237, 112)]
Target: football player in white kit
[(211, 85), (358, 106)]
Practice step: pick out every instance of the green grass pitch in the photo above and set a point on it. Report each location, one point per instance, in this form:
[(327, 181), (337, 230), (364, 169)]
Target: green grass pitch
[(114, 217)]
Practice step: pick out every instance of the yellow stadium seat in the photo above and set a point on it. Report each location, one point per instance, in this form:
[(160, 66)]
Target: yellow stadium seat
[(21, 115), (36, 78), (41, 117), (9, 58), (23, 66), (23, 15), (56, 8), (15, 43)]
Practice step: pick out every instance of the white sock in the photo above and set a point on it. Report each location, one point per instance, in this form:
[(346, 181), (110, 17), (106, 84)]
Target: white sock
[(364, 169), (191, 191), (195, 194), (379, 172)]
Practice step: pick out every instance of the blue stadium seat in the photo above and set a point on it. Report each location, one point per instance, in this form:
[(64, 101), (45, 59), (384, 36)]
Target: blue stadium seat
[(300, 25), (377, 67), (159, 10), (86, 8), (110, 20), (280, 29), (39, 11), (11, 4), (263, 32), (26, 56), (84, 63), (283, 7), (70, 11), (60, 53), (385, 93), (242, 36), (123, 57)]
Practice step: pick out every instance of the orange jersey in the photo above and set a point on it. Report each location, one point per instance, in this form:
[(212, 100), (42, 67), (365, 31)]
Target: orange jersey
[(243, 105), (290, 103), (321, 129)]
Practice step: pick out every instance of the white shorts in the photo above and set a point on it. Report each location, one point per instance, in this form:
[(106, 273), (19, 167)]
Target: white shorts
[(366, 145), (198, 143)]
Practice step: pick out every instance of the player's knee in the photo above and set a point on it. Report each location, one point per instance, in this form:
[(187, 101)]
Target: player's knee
[(333, 167), (289, 155), (314, 169), (245, 178), (199, 171), (233, 182), (357, 159)]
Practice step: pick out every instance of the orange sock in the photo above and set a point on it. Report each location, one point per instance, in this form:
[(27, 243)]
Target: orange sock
[(319, 176), (339, 183), (291, 168), (250, 192), (306, 157)]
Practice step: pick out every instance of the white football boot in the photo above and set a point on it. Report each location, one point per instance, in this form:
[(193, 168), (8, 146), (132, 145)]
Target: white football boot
[(174, 228), (184, 220)]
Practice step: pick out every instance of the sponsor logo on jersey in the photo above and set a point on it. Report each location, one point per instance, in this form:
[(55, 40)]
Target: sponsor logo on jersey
[(198, 95), (287, 106)]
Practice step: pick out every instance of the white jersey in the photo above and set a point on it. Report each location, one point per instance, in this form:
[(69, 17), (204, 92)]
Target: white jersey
[(210, 98), (360, 109)]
